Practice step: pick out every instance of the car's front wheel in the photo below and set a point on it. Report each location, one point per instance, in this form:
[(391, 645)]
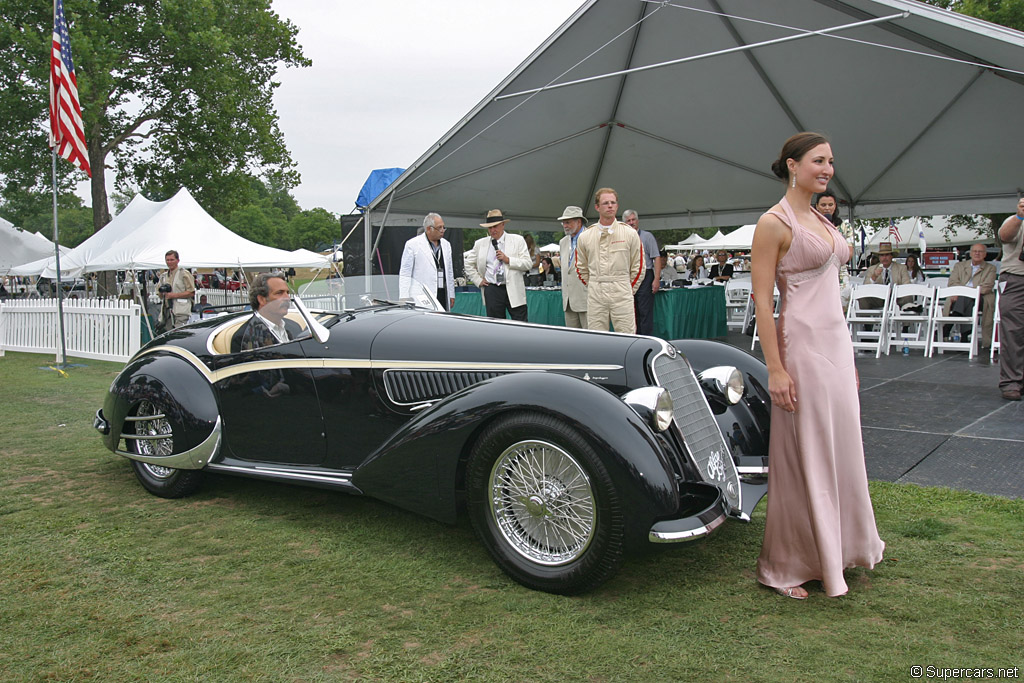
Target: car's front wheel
[(153, 435), (544, 504)]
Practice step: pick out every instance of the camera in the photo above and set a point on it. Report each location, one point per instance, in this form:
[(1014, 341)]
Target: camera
[(164, 289)]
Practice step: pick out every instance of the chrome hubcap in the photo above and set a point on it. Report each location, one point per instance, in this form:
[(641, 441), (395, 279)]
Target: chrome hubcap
[(542, 502)]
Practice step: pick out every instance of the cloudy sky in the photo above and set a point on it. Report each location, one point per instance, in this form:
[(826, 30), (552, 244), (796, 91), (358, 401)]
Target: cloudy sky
[(389, 78)]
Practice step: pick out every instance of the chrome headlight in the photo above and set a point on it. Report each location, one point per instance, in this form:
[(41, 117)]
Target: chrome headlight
[(653, 404), (724, 380)]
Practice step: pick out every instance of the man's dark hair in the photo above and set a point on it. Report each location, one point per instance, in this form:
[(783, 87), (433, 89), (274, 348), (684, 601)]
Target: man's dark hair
[(260, 288)]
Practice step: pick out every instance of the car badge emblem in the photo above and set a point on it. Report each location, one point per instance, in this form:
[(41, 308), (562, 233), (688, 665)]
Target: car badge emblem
[(716, 468), (671, 352), (586, 376)]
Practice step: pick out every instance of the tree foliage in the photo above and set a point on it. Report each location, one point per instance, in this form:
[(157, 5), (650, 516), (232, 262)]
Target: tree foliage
[(174, 92)]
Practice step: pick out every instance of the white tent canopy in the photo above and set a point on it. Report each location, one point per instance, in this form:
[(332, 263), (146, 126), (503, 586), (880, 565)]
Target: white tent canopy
[(141, 234), (913, 115), (18, 246), (933, 236), (740, 238)]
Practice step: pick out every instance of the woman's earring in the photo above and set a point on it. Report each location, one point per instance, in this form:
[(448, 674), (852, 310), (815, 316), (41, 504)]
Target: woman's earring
[(794, 180)]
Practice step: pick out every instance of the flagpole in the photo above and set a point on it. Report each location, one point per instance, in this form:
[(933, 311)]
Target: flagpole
[(62, 357)]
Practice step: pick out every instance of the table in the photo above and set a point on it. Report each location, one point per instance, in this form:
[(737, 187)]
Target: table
[(680, 313)]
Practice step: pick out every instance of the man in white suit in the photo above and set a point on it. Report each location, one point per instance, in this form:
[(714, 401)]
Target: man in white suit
[(427, 258), (574, 292), (497, 265)]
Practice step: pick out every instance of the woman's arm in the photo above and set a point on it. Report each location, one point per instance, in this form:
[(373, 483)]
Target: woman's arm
[(771, 242)]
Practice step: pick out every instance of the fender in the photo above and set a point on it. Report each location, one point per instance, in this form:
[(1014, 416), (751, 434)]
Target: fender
[(161, 378), (435, 444)]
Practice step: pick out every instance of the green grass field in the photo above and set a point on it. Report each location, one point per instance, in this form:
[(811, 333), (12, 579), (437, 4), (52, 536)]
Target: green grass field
[(251, 581)]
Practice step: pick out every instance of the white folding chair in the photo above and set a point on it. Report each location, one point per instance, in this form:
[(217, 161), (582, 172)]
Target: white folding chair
[(915, 320), (939, 321), (937, 282), (778, 305), (737, 293), (868, 326)]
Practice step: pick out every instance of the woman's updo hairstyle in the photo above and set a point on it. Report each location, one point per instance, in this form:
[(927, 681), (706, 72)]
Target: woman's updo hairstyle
[(795, 148)]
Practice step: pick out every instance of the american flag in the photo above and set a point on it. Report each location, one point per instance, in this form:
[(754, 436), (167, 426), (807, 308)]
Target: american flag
[(67, 133), (894, 232)]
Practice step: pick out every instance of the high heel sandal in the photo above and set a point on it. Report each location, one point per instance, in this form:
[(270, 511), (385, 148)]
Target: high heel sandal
[(791, 592)]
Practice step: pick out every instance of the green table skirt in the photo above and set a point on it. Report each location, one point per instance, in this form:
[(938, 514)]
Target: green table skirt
[(697, 313)]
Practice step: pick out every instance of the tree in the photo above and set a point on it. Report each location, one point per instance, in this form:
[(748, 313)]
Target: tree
[(178, 91)]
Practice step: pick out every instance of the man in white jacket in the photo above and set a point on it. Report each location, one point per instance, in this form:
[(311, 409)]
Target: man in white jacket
[(427, 258), (496, 265)]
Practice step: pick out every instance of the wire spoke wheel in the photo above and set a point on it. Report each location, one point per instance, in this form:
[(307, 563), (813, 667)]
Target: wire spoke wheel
[(153, 436), (155, 427), (542, 502)]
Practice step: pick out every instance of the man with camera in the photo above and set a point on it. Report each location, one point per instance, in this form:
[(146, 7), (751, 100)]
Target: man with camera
[(176, 289)]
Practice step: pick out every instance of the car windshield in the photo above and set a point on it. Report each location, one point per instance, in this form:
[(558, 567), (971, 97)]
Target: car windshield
[(342, 294)]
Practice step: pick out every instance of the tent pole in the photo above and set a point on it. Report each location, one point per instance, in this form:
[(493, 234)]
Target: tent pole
[(369, 253), (367, 237)]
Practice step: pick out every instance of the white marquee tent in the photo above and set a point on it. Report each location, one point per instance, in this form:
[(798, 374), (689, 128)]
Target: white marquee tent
[(682, 107), (138, 237), (933, 236), (18, 246)]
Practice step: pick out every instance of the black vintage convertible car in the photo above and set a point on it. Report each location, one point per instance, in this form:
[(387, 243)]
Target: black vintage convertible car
[(568, 449)]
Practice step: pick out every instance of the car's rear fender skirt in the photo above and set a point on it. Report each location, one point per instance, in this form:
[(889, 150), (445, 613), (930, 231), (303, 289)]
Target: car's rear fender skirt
[(420, 467), (174, 385)]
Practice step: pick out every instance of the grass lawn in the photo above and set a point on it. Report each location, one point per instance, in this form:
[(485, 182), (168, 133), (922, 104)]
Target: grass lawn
[(252, 581)]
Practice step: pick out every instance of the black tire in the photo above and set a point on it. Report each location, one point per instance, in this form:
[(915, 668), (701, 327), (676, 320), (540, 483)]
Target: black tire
[(166, 482), (524, 465)]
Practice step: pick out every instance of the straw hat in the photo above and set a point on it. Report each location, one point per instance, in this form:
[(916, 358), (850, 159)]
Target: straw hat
[(885, 248), (493, 218)]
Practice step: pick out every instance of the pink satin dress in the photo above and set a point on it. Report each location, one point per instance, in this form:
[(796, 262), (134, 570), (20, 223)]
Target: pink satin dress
[(819, 515)]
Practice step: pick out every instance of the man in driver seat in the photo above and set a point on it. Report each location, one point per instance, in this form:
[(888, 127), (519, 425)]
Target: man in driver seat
[(268, 295)]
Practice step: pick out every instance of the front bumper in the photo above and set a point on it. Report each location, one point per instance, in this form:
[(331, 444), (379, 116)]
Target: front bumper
[(711, 512)]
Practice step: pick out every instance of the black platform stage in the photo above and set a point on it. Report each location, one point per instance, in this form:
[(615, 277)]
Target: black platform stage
[(937, 421)]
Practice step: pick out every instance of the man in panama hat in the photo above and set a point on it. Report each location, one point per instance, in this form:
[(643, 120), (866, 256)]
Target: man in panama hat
[(496, 265), (885, 272)]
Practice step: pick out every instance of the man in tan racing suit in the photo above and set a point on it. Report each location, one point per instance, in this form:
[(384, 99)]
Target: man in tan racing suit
[(609, 262)]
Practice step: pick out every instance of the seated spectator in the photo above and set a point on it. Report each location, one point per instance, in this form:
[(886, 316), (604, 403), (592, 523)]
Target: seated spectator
[(885, 272), (203, 306), (548, 272), (696, 271), (721, 271), (668, 273), (981, 275), (914, 271)]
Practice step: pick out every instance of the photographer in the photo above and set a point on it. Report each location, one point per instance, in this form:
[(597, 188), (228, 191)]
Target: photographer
[(176, 289)]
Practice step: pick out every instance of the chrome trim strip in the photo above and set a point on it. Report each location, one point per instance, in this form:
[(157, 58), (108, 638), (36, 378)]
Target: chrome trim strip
[(193, 459), (334, 478), (751, 469), (688, 535), (146, 418), (214, 376)]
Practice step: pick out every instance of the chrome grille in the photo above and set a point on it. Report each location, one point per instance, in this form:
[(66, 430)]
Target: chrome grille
[(698, 428), (417, 386)]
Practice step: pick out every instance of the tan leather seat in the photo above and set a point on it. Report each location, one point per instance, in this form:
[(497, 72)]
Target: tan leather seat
[(222, 342)]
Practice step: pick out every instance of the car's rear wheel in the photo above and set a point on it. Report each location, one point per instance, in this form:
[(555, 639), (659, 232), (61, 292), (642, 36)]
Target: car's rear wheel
[(544, 505), (154, 436)]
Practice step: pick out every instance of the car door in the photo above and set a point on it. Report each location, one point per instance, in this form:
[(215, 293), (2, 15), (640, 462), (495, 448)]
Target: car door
[(270, 407)]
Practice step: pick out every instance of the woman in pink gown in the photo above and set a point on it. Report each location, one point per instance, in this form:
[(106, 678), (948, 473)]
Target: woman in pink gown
[(819, 517)]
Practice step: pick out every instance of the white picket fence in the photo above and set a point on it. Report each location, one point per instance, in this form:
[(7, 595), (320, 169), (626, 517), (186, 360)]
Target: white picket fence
[(100, 329)]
